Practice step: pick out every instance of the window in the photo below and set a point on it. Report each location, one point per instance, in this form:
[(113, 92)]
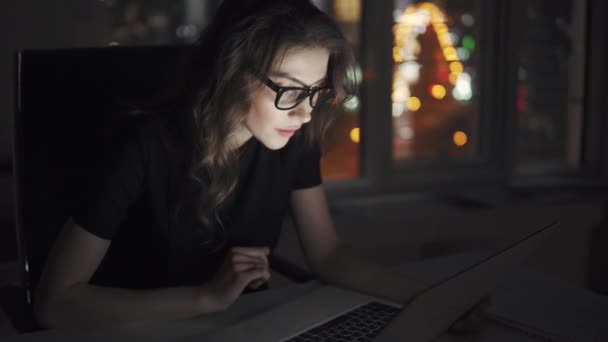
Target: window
[(550, 86), (434, 86), (343, 158)]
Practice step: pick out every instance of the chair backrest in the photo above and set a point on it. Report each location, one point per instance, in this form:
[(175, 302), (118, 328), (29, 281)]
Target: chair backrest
[(73, 110)]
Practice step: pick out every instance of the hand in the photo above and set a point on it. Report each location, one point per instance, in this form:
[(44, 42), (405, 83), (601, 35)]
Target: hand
[(242, 267), (473, 319)]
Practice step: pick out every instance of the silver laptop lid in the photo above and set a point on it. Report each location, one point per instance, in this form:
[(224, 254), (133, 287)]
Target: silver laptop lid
[(434, 310)]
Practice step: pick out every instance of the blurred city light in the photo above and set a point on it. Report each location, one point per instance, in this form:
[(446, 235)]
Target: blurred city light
[(463, 54), (456, 67), (467, 19), (406, 133), (460, 138), (413, 104), (438, 91), (463, 90), (398, 109), (355, 135), (432, 62), (348, 11), (468, 43)]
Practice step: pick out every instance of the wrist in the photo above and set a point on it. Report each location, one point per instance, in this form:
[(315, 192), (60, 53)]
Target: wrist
[(207, 301)]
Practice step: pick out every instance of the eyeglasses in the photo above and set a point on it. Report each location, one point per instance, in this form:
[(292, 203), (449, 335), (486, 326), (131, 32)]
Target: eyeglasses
[(290, 97)]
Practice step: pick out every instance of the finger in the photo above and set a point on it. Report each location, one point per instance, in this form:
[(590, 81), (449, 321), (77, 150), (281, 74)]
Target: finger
[(245, 266), (247, 263), (256, 283), (236, 258), (260, 256), (246, 277), (261, 252)]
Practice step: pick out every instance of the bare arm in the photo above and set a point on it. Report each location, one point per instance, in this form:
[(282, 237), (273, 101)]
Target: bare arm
[(65, 298), (340, 264)]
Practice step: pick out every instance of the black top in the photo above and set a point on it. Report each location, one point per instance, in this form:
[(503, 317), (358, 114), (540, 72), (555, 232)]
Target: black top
[(155, 245)]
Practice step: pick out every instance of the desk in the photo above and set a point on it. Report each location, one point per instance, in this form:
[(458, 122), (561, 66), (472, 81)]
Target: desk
[(526, 296)]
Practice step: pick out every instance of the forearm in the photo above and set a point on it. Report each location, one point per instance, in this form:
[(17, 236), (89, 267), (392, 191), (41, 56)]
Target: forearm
[(88, 305), (348, 268)]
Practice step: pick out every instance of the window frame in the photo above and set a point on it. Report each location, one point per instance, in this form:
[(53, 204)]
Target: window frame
[(592, 171)]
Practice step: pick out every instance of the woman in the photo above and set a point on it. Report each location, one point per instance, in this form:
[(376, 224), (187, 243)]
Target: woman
[(213, 179)]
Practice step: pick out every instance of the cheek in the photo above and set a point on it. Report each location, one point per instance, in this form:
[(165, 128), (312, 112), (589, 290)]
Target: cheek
[(263, 114), (265, 118)]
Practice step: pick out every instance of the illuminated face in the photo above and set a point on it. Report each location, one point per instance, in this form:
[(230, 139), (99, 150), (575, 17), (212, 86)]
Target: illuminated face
[(300, 67)]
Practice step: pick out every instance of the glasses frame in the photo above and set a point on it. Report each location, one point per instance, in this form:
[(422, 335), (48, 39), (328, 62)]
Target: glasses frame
[(310, 93)]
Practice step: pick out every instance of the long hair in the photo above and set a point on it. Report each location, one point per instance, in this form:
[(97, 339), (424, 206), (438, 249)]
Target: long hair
[(246, 35)]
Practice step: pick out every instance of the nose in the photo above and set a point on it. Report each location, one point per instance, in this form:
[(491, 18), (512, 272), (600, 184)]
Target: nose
[(302, 111)]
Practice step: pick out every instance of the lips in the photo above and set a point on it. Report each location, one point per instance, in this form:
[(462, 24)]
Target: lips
[(286, 132)]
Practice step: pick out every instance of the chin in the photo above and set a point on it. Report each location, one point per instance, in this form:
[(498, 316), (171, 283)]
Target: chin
[(275, 144)]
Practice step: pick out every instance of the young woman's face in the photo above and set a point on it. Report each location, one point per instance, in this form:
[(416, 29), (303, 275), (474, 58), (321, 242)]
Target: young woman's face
[(300, 67)]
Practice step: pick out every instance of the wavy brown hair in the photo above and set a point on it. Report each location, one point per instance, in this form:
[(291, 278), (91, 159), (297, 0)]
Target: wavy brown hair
[(248, 35)]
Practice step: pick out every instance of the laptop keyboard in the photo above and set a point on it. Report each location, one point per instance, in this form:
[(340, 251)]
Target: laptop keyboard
[(359, 325)]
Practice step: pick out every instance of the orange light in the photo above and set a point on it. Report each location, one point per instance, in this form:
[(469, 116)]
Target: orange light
[(460, 138), (348, 11), (454, 78), (413, 104), (355, 135), (397, 55), (456, 67), (438, 91), (450, 54)]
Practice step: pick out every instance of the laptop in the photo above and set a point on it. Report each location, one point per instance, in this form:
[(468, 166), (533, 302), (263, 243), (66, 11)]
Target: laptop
[(334, 314)]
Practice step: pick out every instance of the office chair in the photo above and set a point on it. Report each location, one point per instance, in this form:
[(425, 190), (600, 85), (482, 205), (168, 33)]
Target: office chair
[(73, 110)]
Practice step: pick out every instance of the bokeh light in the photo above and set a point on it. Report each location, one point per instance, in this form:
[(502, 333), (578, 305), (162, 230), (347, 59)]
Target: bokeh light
[(460, 138), (355, 135), (438, 91), (413, 104)]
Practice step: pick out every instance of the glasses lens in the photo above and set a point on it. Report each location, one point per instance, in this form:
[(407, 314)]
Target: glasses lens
[(321, 97), (291, 98)]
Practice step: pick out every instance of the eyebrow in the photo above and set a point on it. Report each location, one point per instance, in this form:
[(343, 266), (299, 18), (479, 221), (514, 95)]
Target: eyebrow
[(289, 77)]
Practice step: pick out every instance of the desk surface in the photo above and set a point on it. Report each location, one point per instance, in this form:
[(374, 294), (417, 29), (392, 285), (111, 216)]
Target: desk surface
[(529, 297)]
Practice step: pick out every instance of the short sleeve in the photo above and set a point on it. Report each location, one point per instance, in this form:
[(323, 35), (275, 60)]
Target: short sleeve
[(104, 211), (308, 171)]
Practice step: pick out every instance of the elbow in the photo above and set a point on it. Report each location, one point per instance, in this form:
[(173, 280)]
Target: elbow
[(45, 309), (55, 307)]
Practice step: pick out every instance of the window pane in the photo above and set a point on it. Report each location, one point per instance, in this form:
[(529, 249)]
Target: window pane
[(342, 160), (549, 91), (435, 80), (136, 22)]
